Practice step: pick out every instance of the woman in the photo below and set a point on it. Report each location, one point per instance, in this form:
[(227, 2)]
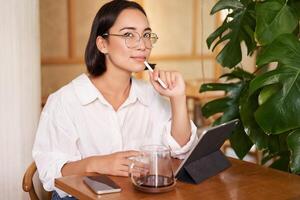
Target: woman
[(98, 121)]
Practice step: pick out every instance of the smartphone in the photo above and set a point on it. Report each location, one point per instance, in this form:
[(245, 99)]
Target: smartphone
[(101, 184)]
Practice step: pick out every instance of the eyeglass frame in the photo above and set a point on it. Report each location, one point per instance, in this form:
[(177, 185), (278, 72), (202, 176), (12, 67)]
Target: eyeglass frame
[(138, 41)]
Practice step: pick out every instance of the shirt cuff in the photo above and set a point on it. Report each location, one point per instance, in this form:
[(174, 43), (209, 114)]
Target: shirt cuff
[(49, 168), (60, 165), (176, 150)]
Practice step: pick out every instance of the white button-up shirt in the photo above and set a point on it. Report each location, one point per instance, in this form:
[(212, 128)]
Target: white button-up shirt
[(77, 122)]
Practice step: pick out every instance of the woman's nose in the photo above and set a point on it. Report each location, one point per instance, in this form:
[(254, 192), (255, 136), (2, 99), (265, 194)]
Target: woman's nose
[(142, 44)]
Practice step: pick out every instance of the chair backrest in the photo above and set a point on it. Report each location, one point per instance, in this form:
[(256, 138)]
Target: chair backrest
[(28, 182)]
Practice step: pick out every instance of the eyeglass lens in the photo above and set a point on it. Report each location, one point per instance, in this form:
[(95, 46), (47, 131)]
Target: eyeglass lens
[(133, 38)]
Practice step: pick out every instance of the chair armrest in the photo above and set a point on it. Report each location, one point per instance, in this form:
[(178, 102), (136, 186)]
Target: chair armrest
[(27, 181)]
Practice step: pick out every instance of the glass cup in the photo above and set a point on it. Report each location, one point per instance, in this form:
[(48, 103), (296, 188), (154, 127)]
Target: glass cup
[(153, 168)]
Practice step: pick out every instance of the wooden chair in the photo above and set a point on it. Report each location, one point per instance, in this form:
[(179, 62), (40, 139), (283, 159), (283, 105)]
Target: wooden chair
[(28, 182)]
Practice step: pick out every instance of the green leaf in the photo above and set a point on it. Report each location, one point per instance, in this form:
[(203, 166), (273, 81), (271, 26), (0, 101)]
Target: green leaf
[(227, 87), (222, 39), (238, 73), (227, 104), (247, 105), (226, 4), (246, 2), (247, 31), (280, 113), (230, 113), (240, 142), (285, 50), (240, 28), (277, 150), (277, 143), (273, 19), (295, 5), (268, 78), (231, 54), (267, 92), (216, 106), (212, 37), (293, 141), (282, 162)]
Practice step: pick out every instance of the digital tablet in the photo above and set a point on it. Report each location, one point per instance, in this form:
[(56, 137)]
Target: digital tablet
[(210, 141), (101, 184)]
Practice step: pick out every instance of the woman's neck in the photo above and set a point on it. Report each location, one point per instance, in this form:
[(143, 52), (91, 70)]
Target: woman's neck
[(114, 87)]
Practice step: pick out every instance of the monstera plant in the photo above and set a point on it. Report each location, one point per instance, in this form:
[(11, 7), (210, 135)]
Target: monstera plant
[(267, 101)]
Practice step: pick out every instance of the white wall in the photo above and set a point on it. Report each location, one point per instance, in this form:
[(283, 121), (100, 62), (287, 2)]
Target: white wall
[(19, 91)]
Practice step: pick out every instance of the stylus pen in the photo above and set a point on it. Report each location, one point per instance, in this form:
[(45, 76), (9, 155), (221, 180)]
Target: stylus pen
[(159, 80)]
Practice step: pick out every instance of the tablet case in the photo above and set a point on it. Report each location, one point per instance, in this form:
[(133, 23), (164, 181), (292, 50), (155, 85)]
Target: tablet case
[(206, 159), (205, 167)]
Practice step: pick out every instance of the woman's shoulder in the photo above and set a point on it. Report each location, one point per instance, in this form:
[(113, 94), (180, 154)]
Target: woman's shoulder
[(64, 96)]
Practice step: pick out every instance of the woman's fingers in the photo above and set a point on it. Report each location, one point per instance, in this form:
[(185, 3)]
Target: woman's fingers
[(127, 162), (173, 79), (163, 77), (137, 168), (139, 171), (128, 154), (155, 74), (122, 173), (154, 82), (168, 79)]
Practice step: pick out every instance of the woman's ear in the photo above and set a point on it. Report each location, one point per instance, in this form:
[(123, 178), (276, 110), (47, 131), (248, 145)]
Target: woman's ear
[(101, 45)]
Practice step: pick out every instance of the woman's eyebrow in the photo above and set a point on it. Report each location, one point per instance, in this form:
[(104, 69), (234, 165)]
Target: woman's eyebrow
[(133, 28), (130, 28)]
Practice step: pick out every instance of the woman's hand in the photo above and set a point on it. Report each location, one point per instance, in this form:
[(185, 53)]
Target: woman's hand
[(173, 80), (116, 164)]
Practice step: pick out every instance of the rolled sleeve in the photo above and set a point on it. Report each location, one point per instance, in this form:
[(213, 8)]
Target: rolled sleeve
[(176, 150), (49, 166), (55, 145)]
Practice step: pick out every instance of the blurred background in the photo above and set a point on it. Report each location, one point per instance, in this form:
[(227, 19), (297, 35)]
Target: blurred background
[(65, 27), (182, 28), (42, 49)]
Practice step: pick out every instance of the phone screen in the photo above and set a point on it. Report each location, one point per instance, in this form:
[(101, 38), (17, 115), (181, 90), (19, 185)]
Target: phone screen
[(101, 184)]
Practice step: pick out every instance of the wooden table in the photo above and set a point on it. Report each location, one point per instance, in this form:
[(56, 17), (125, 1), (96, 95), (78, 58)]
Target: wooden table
[(243, 180)]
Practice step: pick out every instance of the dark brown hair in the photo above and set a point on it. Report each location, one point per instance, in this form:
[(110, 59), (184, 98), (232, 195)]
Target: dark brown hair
[(103, 21)]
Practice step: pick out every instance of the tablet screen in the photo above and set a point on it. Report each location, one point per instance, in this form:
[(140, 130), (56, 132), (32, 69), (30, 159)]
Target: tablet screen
[(211, 141)]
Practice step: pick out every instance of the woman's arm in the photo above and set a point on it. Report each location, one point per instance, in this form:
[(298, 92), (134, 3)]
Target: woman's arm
[(180, 127), (113, 164)]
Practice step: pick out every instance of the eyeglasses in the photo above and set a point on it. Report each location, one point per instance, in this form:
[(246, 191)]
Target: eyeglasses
[(132, 39)]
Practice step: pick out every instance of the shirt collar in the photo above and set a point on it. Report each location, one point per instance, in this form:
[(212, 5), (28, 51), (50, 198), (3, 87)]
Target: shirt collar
[(138, 91), (87, 92)]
